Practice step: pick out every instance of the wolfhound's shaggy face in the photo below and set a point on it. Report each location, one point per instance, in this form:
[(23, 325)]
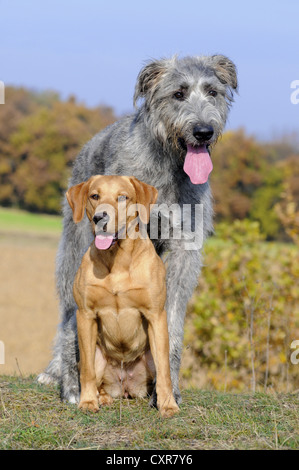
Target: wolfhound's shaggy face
[(186, 101)]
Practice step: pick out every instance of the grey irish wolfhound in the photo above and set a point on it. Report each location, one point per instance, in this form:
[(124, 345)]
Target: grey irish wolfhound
[(183, 110)]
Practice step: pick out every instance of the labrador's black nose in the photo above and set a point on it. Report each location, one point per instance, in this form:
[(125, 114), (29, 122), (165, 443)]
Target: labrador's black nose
[(101, 216)]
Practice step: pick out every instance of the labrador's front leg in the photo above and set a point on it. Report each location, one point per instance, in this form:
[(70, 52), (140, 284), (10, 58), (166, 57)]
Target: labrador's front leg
[(159, 345), (87, 335)]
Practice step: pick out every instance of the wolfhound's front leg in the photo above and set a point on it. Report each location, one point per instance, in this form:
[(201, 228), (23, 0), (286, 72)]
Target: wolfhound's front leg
[(183, 268)]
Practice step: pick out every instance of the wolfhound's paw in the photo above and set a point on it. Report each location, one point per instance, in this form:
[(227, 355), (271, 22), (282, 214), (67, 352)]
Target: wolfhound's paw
[(46, 379), (153, 399), (73, 399), (177, 396)]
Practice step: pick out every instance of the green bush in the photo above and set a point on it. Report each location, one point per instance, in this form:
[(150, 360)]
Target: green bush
[(244, 314)]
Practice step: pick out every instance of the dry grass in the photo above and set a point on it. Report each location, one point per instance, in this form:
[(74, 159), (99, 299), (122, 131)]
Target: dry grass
[(32, 417)]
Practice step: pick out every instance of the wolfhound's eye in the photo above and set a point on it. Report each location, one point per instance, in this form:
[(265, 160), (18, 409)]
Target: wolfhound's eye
[(213, 92), (179, 95), (95, 197)]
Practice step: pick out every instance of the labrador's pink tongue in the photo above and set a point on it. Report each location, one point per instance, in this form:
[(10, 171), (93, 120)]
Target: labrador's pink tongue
[(198, 164), (103, 243)]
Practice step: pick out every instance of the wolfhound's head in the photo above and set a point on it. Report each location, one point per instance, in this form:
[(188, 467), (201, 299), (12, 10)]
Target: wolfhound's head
[(185, 105)]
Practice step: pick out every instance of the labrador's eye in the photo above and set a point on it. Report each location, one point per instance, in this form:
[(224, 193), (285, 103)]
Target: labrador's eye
[(95, 197), (122, 197)]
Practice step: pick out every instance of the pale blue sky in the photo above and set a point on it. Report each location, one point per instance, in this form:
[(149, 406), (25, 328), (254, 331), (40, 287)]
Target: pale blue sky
[(95, 49)]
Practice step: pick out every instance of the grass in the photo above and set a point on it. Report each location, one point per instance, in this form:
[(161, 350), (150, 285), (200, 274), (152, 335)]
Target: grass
[(32, 417), (15, 220)]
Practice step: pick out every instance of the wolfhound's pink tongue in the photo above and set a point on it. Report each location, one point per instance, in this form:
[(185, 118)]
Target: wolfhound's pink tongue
[(103, 243), (198, 164)]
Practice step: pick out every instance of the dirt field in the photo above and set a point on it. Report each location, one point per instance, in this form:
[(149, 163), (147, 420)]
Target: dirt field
[(28, 304)]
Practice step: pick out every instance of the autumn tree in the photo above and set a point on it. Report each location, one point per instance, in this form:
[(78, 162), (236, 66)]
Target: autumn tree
[(40, 149), (246, 181)]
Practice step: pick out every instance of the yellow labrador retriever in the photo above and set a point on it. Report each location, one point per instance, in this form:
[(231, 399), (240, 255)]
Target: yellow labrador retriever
[(120, 292)]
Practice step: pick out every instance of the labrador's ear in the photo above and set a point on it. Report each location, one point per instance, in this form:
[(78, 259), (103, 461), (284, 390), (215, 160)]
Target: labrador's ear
[(145, 196), (77, 198)]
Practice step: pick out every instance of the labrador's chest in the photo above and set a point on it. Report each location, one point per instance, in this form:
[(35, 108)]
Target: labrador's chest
[(119, 303), (119, 291)]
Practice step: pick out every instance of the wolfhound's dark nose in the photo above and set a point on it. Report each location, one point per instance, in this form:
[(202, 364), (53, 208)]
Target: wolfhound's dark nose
[(203, 133)]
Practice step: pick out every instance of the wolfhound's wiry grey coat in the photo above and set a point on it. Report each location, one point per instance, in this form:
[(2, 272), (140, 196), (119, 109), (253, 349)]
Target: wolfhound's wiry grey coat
[(184, 103)]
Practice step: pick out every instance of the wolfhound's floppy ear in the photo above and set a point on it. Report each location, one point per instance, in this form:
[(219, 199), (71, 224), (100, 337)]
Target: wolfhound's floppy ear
[(145, 196), (148, 80), (77, 198), (225, 70)]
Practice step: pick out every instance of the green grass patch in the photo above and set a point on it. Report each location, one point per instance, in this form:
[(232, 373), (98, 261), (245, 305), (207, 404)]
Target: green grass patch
[(15, 220), (33, 417)]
